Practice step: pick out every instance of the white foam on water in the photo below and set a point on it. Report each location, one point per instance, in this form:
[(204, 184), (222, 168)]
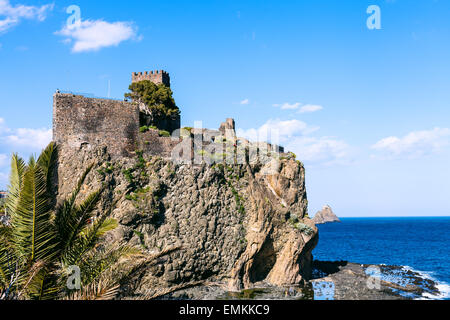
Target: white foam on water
[(443, 288), (444, 292)]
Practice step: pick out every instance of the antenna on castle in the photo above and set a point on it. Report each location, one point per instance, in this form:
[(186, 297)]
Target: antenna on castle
[(68, 79)]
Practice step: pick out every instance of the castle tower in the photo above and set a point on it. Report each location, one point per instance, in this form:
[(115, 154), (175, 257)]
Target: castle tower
[(157, 77)]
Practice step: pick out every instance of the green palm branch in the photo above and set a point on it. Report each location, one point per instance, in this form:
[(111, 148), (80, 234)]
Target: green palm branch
[(44, 239)]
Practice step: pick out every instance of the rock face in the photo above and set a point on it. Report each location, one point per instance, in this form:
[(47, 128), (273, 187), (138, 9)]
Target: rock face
[(326, 215), (234, 225)]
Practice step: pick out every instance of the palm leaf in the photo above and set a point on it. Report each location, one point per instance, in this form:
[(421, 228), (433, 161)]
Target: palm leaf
[(99, 263), (5, 273), (99, 229), (31, 280), (32, 233), (88, 240), (47, 162), (5, 255), (44, 285), (41, 239), (102, 290), (18, 168), (73, 220), (70, 219)]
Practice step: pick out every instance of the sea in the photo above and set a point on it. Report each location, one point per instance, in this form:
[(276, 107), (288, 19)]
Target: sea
[(421, 245)]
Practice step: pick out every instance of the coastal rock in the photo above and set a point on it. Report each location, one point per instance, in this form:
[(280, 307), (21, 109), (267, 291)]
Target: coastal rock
[(339, 280), (343, 280), (233, 225), (326, 215)]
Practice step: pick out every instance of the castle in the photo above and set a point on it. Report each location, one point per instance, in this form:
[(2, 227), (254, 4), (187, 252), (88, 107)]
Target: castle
[(157, 77), (80, 123)]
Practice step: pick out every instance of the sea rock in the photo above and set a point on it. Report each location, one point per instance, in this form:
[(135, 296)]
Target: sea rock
[(352, 281), (326, 215)]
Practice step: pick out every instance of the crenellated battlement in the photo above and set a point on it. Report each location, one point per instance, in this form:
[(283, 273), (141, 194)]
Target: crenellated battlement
[(157, 77)]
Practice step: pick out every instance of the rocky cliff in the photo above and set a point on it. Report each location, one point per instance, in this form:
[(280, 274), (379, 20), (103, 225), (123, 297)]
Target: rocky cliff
[(232, 226), (326, 215)]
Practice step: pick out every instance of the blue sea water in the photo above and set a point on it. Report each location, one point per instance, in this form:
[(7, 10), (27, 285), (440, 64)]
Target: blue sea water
[(420, 244)]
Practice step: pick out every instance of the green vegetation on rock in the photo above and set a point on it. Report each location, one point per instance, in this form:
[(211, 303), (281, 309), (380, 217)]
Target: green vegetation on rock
[(164, 133), (158, 98)]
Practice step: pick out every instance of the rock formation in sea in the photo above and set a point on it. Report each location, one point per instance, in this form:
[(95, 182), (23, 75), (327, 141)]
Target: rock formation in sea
[(326, 215)]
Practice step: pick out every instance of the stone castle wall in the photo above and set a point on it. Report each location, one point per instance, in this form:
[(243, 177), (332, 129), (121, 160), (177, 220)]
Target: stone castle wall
[(80, 122), (86, 123), (153, 145)]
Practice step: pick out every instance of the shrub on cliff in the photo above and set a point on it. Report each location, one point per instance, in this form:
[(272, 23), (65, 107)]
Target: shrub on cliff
[(158, 99), (2, 206), (44, 242)]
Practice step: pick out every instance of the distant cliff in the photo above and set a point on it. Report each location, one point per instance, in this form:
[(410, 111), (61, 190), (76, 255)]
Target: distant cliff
[(326, 215)]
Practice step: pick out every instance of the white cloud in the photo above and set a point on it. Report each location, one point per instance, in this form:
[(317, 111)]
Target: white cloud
[(36, 139), (3, 159), (322, 150), (310, 108), (245, 102), (11, 16), (288, 106), (91, 35), (33, 139), (415, 144), (24, 140), (276, 131), (296, 136), (4, 177), (307, 108), (3, 127)]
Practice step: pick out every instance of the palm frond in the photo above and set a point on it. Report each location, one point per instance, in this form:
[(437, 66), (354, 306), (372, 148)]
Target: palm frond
[(5, 236), (13, 274), (43, 239), (32, 233), (70, 219), (87, 240), (30, 282), (73, 220), (5, 270), (70, 202), (101, 228), (45, 284), (47, 162), (101, 290), (104, 262), (18, 167), (6, 254)]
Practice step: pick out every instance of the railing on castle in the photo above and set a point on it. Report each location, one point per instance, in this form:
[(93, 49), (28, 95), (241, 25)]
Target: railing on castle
[(88, 95)]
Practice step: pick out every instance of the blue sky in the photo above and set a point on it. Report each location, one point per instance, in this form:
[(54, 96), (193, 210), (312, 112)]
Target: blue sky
[(366, 110)]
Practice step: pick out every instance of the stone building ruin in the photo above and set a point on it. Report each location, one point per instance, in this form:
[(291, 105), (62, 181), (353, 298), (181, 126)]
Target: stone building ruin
[(81, 122)]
